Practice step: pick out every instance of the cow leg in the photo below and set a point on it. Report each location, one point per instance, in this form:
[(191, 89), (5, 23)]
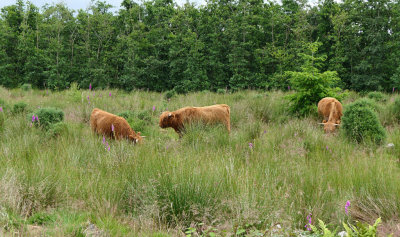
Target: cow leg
[(228, 126)]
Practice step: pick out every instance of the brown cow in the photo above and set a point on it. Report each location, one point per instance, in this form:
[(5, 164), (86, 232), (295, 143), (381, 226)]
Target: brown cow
[(331, 111), (208, 114), (103, 123)]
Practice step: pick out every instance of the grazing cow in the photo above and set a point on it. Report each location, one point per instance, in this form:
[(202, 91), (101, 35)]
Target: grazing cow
[(208, 115), (104, 123), (331, 111)]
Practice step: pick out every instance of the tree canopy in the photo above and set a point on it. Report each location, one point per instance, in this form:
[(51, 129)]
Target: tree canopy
[(159, 45)]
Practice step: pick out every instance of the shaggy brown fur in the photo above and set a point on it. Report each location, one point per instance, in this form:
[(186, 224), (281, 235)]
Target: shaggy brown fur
[(331, 111), (101, 122), (208, 114)]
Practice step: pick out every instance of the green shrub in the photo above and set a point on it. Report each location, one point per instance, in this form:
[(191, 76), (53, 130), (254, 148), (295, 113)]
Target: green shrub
[(126, 114), (169, 94), (137, 125), (377, 96), (47, 117), (365, 102), (311, 85), (144, 115), (19, 107), (57, 129), (361, 123), (221, 91), (26, 87)]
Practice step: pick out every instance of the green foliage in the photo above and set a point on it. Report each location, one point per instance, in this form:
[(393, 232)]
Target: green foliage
[(157, 46), (325, 232), (364, 102), (358, 230), (169, 94), (26, 87), (360, 123), (57, 129), (221, 91), (19, 107), (41, 218), (138, 120), (47, 117), (2, 120), (377, 96), (311, 85), (395, 109), (126, 114)]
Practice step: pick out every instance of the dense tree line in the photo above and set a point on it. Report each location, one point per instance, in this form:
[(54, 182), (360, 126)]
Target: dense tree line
[(158, 45)]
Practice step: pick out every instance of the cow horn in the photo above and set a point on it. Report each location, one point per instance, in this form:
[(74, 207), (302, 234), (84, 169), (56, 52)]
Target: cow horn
[(169, 115), (337, 124), (321, 123), (142, 136)]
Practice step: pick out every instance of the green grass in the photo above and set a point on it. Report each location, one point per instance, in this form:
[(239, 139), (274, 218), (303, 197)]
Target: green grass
[(208, 180)]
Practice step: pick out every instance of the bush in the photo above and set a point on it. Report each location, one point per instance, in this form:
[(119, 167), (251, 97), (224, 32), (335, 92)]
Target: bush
[(311, 85), (221, 91), (26, 87), (47, 117), (361, 123), (126, 114), (365, 102), (19, 107), (169, 94), (377, 96), (57, 129), (144, 115)]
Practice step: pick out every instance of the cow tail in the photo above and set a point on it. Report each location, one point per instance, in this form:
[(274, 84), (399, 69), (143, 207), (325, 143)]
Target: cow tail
[(333, 110)]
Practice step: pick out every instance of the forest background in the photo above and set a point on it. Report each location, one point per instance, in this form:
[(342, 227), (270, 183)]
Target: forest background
[(158, 45)]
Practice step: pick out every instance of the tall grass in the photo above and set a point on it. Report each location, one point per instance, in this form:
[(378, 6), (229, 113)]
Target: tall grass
[(168, 184)]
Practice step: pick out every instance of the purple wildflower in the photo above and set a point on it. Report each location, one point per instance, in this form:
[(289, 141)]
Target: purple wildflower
[(109, 94), (104, 140), (250, 145), (288, 88), (265, 131), (33, 118), (154, 108), (346, 207), (1, 109), (393, 90), (308, 226), (112, 127), (37, 118), (90, 86)]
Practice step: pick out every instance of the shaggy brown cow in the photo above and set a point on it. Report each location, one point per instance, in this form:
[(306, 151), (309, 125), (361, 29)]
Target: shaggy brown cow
[(331, 111), (208, 114), (103, 123)]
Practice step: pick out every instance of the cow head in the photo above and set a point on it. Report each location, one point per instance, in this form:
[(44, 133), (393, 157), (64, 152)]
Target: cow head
[(136, 138), (167, 119), (329, 127)]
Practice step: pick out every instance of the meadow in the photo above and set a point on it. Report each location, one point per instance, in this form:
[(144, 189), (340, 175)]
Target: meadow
[(263, 179)]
